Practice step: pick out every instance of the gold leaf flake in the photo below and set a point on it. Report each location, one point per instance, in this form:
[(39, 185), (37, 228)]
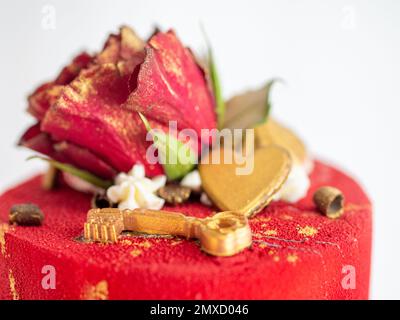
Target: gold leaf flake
[(307, 231), (3, 231), (13, 290), (262, 245), (292, 258), (145, 244), (270, 232), (98, 291), (136, 252)]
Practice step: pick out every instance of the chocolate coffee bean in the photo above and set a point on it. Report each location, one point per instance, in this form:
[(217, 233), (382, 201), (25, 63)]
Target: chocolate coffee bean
[(174, 193), (27, 214), (101, 201)]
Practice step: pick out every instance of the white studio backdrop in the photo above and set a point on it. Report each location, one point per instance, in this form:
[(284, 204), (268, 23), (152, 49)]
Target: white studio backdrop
[(339, 59)]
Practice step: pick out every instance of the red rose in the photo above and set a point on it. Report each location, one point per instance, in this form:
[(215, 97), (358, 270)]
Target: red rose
[(88, 117)]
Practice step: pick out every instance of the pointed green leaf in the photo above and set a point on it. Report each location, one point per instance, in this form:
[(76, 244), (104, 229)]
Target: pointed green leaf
[(216, 85), (169, 148), (250, 108), (82, 174)]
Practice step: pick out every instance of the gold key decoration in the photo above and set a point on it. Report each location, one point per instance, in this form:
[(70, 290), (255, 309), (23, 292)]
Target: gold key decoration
[(224, 234)]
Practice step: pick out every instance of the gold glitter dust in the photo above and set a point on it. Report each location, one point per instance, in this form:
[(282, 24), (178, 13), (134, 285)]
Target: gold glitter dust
[(176, 242), (96, 292), (263, 225), (262, 245), (145, 244), (13, 290), (292, 258), (126, 242), (307, 231), (270, 232), (271, 252), (276, 258), (3, 231), (263, 219), (286, 217), (136, 252)]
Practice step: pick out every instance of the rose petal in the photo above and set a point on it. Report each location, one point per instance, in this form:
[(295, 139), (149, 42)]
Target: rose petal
[(88, 114), (84, 159), (124, 46), (65, 152), (171, 86), (39, 141), (48, 93)]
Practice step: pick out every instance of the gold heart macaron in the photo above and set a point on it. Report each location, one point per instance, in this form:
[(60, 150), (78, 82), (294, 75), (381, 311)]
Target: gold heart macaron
[(245, 193), (273, 132)]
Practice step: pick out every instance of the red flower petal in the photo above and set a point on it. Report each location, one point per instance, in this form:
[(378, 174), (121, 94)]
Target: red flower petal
[(88, 114), (39, 141), (86, 119), (65, 152), (122, 47), (171, 86), (47, 94), (84, 159)]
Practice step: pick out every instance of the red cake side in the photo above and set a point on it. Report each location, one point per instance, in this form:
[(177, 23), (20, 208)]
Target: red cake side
[(296, 254)]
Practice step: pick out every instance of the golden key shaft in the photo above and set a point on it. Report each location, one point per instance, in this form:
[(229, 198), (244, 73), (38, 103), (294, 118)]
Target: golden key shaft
[(223, 234)]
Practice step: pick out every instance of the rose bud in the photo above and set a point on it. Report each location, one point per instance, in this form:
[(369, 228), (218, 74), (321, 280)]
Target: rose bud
[(88, 117)]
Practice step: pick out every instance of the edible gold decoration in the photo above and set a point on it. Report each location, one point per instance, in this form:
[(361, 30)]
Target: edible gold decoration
[(272, 132), (248, 193), (307, 231), (98, 291), (271, 232), (3, 230), (292, 258), (224, 234), (330, 201), (136, 253), (13, 290)]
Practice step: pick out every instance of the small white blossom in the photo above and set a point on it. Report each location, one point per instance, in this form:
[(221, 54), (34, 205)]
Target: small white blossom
[(134, 190), (192, 180), (296, 185)]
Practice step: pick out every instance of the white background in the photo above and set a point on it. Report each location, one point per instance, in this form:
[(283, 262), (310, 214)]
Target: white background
[(340, 60)]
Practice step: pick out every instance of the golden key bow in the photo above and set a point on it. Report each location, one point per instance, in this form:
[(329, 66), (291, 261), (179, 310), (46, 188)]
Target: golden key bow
[(223, 234)]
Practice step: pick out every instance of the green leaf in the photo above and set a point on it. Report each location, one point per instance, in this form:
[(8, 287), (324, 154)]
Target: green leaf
[(184, 158), (216, 85), (267, 103), (82, 174), (249, 109)]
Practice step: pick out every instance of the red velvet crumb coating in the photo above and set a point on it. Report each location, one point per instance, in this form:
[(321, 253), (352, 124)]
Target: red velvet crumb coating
[(297, 253)]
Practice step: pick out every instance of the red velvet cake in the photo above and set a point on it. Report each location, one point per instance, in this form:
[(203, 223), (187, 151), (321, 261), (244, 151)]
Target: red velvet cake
[(110, 223), (296, 254)]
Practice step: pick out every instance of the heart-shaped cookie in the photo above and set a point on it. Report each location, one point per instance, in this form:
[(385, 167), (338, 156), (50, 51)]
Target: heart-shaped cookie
[(246, 193), (272, 132)]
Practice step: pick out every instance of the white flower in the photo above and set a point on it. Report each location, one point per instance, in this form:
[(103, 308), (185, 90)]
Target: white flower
[(134, 190), (296, 185), (204, 199), (192, 180)]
